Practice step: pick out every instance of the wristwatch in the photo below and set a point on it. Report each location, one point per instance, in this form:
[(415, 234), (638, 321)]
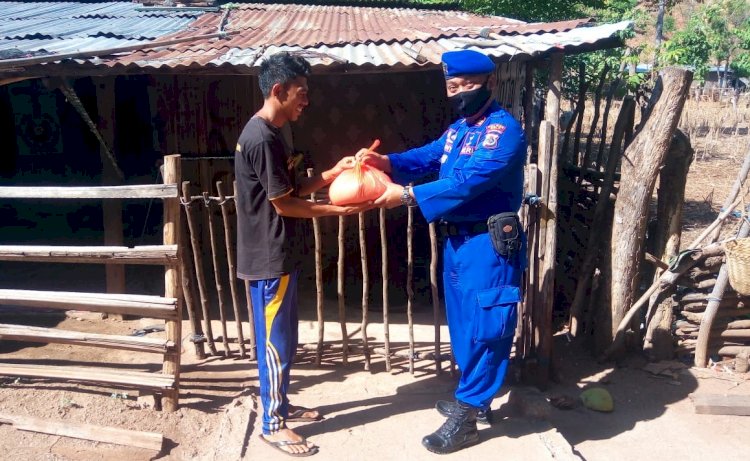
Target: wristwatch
[(406, 197)]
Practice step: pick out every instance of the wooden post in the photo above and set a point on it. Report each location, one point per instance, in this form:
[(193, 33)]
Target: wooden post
[(318, 281), (365, 287), (217, 274), (112, 209), (340, 291), (172, 286), (198, 263), (435, 296), (548, 168), (665, 241), (646, 155), (410, 282), (231, 271), (524, 346), (384, 272)]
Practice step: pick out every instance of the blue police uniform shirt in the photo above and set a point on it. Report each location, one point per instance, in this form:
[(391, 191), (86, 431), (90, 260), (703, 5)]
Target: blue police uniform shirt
[(481, 169)]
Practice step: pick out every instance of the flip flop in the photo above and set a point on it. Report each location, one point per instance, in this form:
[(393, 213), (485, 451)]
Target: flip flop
[(288, 443), (299, 414)]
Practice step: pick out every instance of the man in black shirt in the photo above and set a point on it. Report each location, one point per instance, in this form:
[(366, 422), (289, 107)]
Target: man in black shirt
[(269, 246)]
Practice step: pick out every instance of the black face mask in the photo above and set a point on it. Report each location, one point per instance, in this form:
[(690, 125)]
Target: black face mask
[(468, 103)]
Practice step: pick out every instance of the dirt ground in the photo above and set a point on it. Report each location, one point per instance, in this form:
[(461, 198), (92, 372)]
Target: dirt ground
[(380, 415), (375, 415)]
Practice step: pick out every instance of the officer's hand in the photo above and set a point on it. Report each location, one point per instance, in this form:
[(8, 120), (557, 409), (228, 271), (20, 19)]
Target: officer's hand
[(391, 198), (372, 158)]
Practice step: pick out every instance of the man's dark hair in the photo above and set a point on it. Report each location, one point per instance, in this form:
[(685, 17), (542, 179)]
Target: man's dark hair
[(281, 68)]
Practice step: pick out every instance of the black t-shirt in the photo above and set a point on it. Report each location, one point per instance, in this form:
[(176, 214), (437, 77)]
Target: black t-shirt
[(268, 245)]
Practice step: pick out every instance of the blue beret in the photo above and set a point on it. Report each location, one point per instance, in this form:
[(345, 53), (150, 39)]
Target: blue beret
[(466, 62)]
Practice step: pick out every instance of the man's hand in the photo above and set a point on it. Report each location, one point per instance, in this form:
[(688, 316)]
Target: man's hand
[(391, 198), (345, 163), (372, 158), (346, 210)]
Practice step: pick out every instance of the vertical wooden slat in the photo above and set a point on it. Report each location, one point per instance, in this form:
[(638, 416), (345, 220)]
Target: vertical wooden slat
[(318, 281), (384, 272), (410, 283), (340, 291), (231, 271), (198, 263), (365, 288), (217, 275), (435, 295), (188, 293), (173, 328)]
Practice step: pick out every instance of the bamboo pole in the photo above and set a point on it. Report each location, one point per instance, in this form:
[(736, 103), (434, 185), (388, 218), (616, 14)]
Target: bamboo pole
[(217, 274), (318, 280), (384, 272), (198, 263), (365, 288), (172, 285), (231, 271), (340, 292), (435, 295), (410, 282)]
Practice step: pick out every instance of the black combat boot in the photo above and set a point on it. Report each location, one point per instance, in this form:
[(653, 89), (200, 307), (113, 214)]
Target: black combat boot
[(447, 408), (457, 432)]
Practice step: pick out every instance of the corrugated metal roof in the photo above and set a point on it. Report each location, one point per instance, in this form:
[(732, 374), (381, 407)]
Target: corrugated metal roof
[(325, 35), (62, 27)]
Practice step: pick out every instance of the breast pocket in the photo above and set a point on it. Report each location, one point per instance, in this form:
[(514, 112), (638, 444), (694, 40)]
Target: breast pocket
[(495, 313)]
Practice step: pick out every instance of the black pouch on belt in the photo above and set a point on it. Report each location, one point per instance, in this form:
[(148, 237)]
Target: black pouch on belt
[(505, 233)]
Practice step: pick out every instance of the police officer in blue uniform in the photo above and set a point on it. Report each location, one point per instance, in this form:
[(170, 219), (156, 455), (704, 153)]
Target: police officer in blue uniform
[(480, 159)]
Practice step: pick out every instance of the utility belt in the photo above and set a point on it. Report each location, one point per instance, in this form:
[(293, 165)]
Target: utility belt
[(504, 230)]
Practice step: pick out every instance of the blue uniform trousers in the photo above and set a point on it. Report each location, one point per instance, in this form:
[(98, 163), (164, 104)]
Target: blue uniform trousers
[(276, 331), (481, 296)]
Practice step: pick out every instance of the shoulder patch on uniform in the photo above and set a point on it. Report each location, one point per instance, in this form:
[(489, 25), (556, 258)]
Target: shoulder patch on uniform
[(496, 127), (490, 139)]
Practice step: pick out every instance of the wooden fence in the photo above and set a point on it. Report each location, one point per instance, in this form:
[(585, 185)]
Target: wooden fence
[(212, 261), (168, 307)]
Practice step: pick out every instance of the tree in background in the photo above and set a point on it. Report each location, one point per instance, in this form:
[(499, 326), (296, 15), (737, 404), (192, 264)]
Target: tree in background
[(532, 10), (717, 32)]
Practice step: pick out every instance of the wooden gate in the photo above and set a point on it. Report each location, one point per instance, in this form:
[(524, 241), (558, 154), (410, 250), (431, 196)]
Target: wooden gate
[(168, 307)]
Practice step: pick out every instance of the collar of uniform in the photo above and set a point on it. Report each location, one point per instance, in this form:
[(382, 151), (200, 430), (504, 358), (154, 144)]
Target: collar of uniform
[(483, 118)]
